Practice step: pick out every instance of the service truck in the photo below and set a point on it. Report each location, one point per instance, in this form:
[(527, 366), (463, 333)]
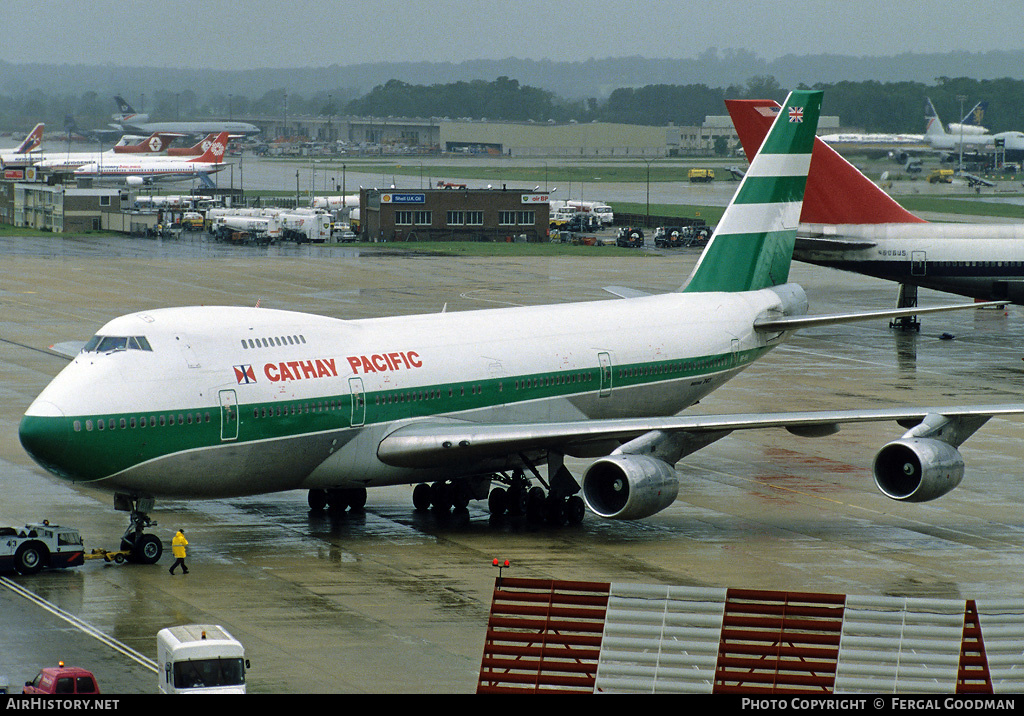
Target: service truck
[(64, 680), (199, 659), (35, 546)]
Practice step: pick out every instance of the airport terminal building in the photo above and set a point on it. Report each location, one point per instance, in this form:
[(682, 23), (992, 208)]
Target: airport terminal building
[(514, 139), (454, 214)]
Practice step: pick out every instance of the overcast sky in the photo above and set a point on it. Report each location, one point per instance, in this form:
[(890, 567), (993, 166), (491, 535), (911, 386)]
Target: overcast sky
[(272, 33)]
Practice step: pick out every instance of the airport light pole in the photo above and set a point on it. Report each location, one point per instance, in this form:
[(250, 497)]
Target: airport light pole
[(961, 98), (647, 221)]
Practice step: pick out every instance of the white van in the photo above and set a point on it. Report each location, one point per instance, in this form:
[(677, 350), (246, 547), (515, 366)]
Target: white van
[(200, 659)]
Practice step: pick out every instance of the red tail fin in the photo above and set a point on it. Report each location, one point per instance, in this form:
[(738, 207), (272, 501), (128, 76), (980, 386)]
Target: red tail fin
[(150, 145), (837, 193), (32, 140), (215, 152), (195, 150)]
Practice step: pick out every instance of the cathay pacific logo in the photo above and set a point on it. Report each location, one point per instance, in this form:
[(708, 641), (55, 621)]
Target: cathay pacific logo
[(245, 374)]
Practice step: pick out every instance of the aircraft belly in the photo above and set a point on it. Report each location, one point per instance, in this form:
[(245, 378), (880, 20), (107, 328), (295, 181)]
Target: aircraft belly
[(231, 469)]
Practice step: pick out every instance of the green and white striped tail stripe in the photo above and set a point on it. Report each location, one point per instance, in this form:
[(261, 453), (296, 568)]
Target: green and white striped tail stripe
[(753, 243)]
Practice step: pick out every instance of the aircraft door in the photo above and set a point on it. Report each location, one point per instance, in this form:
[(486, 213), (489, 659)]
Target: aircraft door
[(355, 386), (228, 415), (604, 362), (918, 263)]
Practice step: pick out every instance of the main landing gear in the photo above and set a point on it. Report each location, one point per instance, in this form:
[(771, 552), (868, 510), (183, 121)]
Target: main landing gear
[(515, 497), (142, 548), (337, 499)]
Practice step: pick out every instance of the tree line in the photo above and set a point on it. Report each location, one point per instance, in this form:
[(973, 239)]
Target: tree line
[(869, 105)]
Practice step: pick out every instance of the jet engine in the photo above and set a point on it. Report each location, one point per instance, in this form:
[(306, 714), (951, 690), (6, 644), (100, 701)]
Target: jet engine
[(134, 181), (629, 487), (917, 469)]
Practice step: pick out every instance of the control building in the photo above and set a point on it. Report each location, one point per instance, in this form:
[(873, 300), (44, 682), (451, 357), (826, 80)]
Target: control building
[(456, 213)]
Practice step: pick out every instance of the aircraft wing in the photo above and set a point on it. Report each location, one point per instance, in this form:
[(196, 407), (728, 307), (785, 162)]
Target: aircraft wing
[(69, 349), (432, 444), (791, 323)]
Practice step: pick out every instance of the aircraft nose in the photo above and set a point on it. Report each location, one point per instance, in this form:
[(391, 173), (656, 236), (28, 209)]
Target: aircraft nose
[(45, 434)]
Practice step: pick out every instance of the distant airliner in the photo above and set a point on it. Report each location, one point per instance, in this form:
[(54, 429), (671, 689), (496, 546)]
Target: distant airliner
[(69, 161), (210, 402), (129, 121), (25, 153), (1009, 145), (136, 170), (849, 223)]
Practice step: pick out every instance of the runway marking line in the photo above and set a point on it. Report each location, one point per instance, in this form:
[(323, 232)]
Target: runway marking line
[(82, 626)]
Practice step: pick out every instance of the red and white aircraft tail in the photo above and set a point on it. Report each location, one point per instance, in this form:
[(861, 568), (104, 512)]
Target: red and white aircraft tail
[(195, 150), (32, 140), (156, 142), (214, 153), (837, 193)]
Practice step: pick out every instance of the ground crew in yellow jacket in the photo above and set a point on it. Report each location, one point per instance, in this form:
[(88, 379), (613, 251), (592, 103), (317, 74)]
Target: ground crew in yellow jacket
[(178, 545)]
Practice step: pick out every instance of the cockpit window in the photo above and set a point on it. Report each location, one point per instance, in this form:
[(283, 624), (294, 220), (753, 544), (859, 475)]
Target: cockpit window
[(108, 344)]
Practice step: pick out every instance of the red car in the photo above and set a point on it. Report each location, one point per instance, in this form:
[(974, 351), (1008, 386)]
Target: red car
[(62, 680)]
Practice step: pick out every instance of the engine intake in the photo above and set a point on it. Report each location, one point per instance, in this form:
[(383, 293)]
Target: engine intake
[(629, 487), (917, 469)]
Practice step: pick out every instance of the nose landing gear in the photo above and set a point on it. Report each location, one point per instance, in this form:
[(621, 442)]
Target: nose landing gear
[(142, 548)]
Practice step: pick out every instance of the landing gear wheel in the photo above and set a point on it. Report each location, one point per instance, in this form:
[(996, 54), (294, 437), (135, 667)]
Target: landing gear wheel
[(147, 549), (317, 500), (497, 502), (340, 499), (575, 509), (535, 499), (30, 558), (554, 510), (421, 497), (441, 496), (517, 497), (357, 499)]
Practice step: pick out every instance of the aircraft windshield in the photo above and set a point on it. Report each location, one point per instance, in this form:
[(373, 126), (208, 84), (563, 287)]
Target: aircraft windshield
[(108, 344)]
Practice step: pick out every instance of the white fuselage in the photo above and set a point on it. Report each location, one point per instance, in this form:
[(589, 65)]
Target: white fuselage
[(233, 401), (983, 261)]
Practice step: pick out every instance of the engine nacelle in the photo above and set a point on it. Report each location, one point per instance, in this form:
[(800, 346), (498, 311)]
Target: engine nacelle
[(134, 181), (629, 487), (917, 469)]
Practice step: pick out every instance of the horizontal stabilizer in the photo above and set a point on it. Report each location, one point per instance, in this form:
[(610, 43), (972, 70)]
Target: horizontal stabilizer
[(832, 243), (625, 292), (792, 323)]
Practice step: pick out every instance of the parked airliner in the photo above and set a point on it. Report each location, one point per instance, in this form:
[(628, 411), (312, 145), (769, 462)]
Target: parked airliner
[(849, 223), (138, 170), (24, 154), (211, 402), (129, 121), (69, 161)]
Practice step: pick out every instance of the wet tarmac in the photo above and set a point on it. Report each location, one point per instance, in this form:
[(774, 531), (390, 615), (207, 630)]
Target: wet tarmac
[(395, 601)]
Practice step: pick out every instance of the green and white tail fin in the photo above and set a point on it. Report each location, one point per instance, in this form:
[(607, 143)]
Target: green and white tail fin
[(752, 247)]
